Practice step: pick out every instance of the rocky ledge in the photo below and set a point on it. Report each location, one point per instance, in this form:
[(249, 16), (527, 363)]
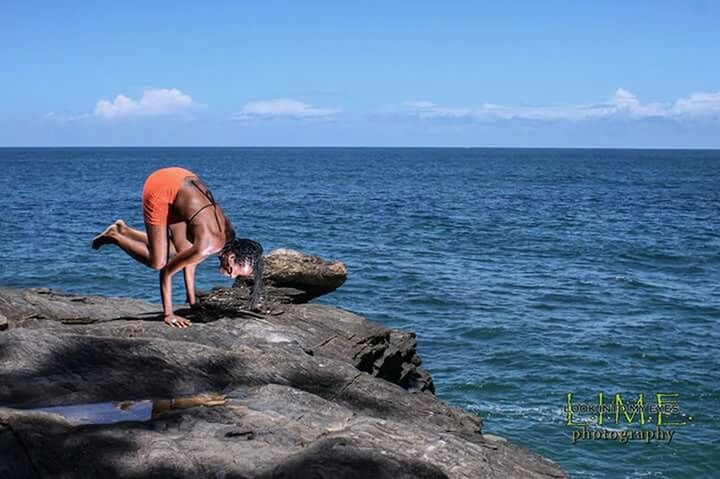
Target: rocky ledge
[(295, 390)]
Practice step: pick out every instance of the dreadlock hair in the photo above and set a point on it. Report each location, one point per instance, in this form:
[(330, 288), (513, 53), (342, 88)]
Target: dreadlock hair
[(248, 250)]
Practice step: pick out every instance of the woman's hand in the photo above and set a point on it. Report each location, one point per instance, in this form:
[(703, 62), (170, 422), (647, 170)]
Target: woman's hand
[(175, 321)]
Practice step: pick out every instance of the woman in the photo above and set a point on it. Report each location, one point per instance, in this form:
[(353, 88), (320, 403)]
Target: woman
[(177, 204)]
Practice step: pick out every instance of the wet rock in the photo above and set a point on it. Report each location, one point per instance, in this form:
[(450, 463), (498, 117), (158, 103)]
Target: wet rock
[(270, 408), (288, 268)]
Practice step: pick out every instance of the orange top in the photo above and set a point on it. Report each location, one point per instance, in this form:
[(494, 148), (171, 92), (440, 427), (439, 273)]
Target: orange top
[(159, 193)]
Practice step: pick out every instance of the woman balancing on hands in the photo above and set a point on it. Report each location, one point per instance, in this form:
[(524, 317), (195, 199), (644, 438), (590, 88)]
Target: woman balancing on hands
[(176, 203)]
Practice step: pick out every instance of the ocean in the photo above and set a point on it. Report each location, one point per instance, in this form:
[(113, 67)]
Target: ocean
[(527, 274)]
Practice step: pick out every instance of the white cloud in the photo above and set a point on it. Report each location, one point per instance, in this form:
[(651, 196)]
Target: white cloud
[(153, 102), (60, 117), (426, 109), (623, 104), (698, 104), (281, 108)]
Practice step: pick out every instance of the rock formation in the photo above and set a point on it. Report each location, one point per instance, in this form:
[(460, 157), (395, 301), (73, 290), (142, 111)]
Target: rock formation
[(297, 391), (311, 276)]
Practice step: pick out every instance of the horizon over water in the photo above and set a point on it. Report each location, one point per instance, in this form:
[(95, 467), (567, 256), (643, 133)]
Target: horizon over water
[(527, 273)]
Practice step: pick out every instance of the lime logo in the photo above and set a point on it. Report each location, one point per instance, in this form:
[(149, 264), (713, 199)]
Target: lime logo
[(590, 418)]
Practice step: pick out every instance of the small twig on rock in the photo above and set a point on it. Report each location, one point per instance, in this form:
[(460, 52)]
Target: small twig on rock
[(323, 343)]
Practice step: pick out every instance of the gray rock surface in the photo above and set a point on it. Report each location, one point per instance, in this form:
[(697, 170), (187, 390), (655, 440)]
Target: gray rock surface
[(297, 401), (288, 268)]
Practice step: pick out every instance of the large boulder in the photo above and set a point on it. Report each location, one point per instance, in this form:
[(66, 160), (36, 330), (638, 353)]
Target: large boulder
[(275, 403), (312, 275)]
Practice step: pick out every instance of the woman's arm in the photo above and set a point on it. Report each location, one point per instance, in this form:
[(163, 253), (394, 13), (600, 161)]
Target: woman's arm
[(185, 258), (189, 275)]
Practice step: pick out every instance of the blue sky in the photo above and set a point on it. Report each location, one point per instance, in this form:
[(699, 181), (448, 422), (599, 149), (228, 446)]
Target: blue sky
[(551, 73)]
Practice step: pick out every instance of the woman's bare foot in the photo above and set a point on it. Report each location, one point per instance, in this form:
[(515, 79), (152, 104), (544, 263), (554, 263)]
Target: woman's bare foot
[(106, 237), (120, 224)]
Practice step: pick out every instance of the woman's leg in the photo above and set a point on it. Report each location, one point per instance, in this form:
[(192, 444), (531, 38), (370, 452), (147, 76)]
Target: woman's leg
[(137, 235), (135, 249), (141, 236), (157, 245), (118, 227), (181, 243), (152, 252)]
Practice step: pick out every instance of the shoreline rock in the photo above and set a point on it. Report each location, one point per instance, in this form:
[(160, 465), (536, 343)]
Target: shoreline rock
[(309, 275), (310, 391)]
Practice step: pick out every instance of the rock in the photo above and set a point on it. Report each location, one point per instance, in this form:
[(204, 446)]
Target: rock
[(27, 305), (331, 332), (3, 323), (275, 405), (287, 268)]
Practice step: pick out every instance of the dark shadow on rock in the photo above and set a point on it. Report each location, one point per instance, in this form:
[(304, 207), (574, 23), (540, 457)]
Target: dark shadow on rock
[(342, 458), (78, 369), (54, 448), (42, 445), (208, 314)]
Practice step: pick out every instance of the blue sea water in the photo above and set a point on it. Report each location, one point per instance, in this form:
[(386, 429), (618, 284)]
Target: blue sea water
[(526, 273)]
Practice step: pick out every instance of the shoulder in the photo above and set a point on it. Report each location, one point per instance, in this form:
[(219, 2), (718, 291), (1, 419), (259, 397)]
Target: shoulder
[(206, 241), (210, 248)]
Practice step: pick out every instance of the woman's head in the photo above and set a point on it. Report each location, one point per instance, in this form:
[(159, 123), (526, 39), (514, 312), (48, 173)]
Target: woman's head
[(242, 257)]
